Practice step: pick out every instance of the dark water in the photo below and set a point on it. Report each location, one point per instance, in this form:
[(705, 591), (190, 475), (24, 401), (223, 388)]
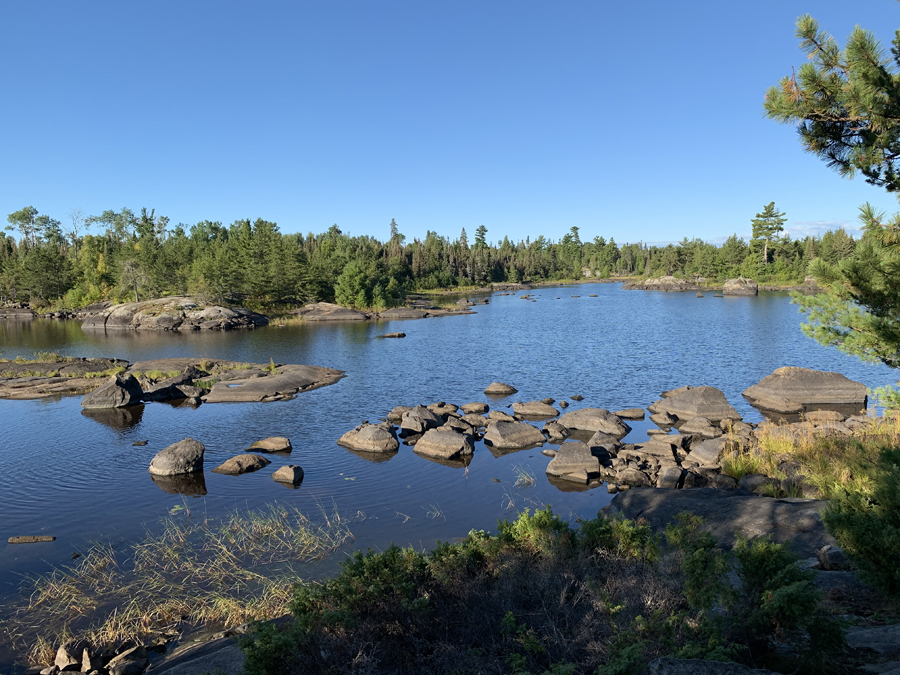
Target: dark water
[(80, 479)]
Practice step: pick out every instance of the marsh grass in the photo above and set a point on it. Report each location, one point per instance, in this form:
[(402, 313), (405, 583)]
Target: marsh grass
[(524, 477), (222, 572)]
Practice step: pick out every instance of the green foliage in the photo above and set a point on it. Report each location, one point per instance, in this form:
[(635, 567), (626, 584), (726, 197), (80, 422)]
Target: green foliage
[(542, 532), (767, 226), (867, 526), (623, 538)]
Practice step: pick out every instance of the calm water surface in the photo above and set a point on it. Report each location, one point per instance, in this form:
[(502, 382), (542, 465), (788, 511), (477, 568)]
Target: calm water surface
[(80, 479)]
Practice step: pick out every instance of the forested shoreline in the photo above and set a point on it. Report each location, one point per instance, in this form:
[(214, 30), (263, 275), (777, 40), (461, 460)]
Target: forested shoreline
[(122, 256)]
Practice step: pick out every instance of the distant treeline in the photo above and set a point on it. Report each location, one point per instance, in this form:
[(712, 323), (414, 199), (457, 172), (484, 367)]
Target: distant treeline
[(122, 255)]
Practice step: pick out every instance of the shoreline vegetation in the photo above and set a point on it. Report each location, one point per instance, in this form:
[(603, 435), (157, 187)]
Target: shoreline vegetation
[(120, 256)]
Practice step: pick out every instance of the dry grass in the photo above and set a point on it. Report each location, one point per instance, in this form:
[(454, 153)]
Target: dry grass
[(225, 572)]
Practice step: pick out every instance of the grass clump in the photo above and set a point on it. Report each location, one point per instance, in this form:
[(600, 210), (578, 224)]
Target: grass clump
[(224, 572), (545, 596)]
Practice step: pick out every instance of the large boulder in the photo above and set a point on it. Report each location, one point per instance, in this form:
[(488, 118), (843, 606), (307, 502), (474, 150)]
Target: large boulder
[(290, 474), (740, 287), (795, 522), (120, 390), (809, 387), (535, 409), (594, 419), (574, 459), (242, 464), (513, 436), (707, 453), (500, 389), (177, 313), (706, 402), (370, 438), (444, 443), (419, 420), (182, 457)]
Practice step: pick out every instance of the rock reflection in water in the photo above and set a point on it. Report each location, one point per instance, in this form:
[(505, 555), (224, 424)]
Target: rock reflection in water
[(116, 418), (374, 457), (571, 486), (460, 463), (502, 452), (190, 484)]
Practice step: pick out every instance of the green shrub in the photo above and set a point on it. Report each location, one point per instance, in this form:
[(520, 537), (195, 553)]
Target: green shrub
[(868, 526), (543, 532)]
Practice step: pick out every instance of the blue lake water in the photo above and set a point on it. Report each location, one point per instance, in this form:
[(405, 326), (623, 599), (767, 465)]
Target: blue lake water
[(71, 476)]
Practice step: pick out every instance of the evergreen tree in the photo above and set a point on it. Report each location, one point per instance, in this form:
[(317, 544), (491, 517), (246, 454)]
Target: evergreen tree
[(767, 226), (481, 237)]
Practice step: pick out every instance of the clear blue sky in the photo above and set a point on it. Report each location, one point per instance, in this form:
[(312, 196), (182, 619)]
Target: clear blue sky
[(638, 120)]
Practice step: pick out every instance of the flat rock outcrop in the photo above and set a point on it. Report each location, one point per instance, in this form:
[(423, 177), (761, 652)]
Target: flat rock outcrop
[(513, 436), (178, 313), (240, 464), (740, 287), (667, 283), (594, 419), (370, 438), (707, 402), (120, 390), (284, 382), (327, 311), (182, 457), (67, 376), (809, 388), (795, 522)]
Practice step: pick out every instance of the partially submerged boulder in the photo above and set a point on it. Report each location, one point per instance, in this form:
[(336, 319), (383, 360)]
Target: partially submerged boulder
[(290, 474), (240, 464), (273, 444), (809, 387), (419, 419), (513, 436), (574, 459), (182, 457), (287, 380), (500, 389), (594, 419), (370, 438), (476, 408), (707, 402), (740, 287), (444, 443), (120, 390), (630, 413)]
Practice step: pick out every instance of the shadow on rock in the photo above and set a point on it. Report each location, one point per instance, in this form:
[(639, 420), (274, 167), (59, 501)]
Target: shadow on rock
[(116, 418), (190, 484)]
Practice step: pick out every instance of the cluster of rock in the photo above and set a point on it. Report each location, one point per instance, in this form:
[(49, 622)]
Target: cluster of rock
[(62, 377), (177, 313), (738, 286), (17, 311), (326, 311), (186, 457)]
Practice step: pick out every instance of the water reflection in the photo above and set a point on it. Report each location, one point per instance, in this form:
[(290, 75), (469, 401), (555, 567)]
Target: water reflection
[(373, 457), (188, 484), (116, 418)]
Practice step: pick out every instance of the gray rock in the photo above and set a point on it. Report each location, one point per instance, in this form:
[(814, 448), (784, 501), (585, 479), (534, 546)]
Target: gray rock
[(594, 419), (809, 387), (122, 389), (707, 453), (663, 419), (706, 402), (444, 443), (475, 408), (176, 313), (819, 416), (419, 419), (476, 421), (460, 425), (535, 409), (556, 432), (674, 392), (832, 558), (548, 401), (370, 438), (740, 287), (68, 656), (700, 425), (135, 655), (573, 457), (222, 656), (500, 416), (632, 478), (241, 464), (513, 435), (288, 380), (442, 408), (722, 482), (500, 389), (577, 397), (272, 444), (670, 477), (396, 414), (326, 311), (756, 482), (392, 335), (606, 441), (778, 404), (669, 666), (563, 404), (657, 446), (630, 413), (403, 313), (883, 640), (795, 522), (182, 457), (291, 473)]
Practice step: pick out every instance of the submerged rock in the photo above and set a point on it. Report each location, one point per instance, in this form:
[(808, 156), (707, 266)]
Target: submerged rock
[(241, 464), (535, 409), (475, 408), (500, 389), (444, 443), (273, 444), (513, 435), (182, 457), (291, 474), (630, 413), (594, 419)]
